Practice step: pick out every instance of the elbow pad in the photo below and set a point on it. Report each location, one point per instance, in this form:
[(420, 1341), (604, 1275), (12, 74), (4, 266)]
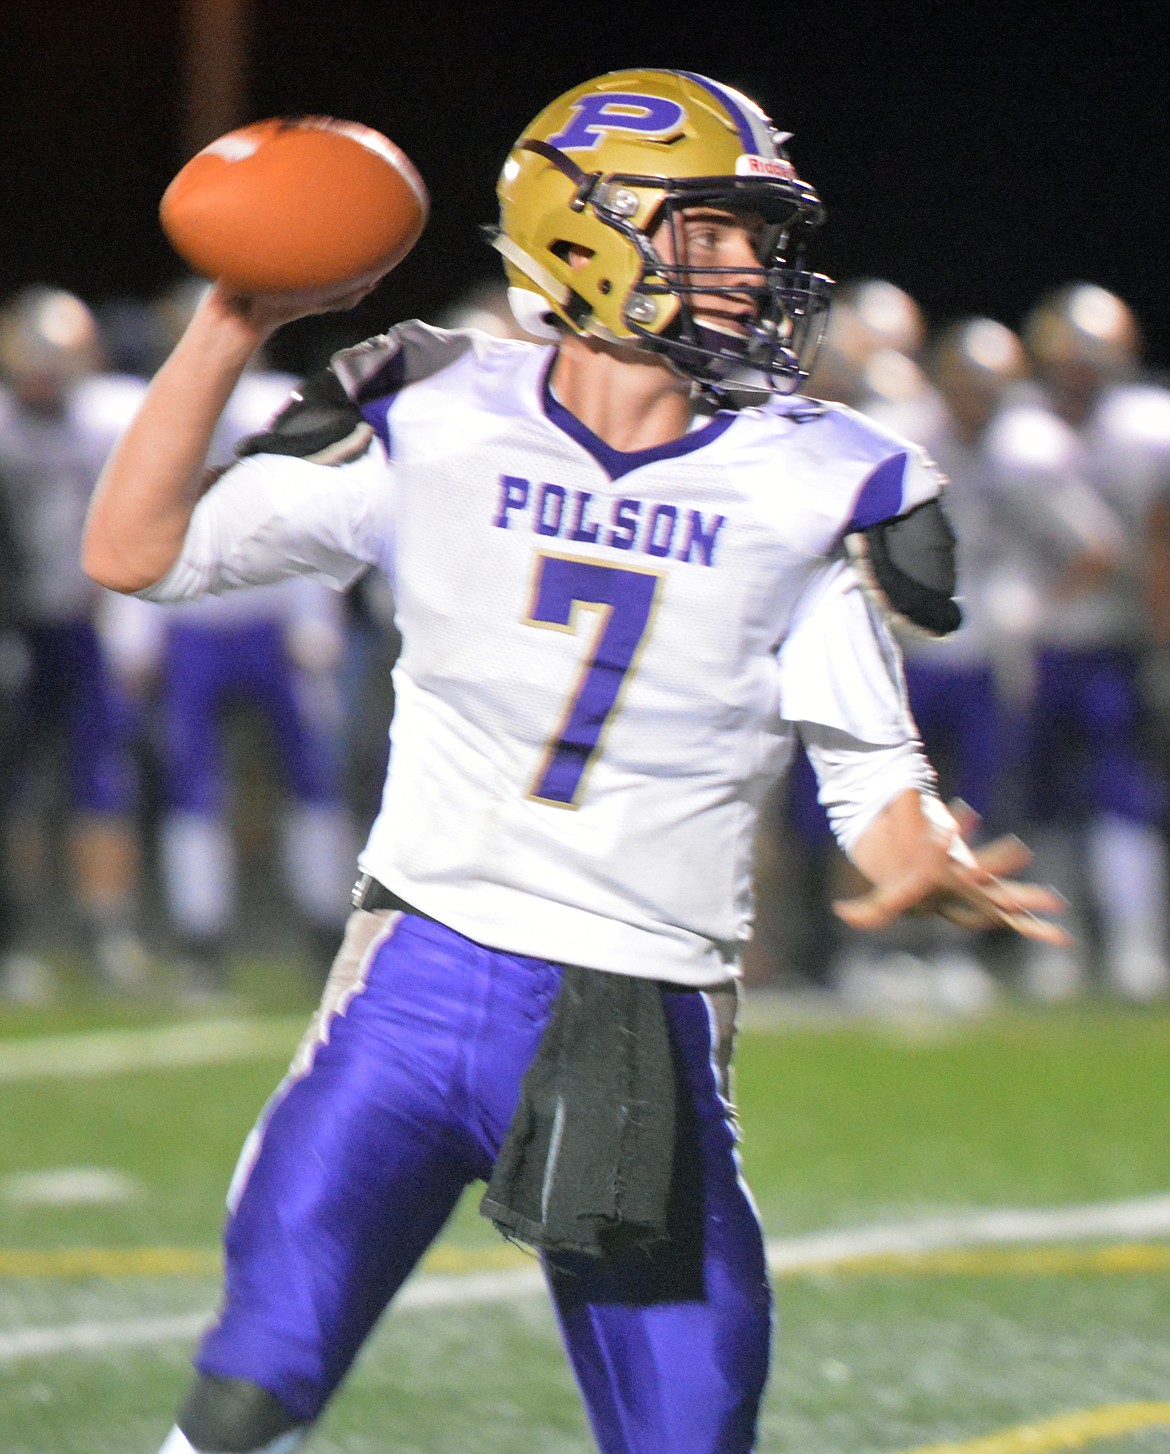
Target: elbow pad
[(320, 423), (908, 563)]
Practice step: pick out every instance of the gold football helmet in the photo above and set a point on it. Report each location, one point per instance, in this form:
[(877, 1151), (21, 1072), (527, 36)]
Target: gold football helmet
[(47, 335), (1083, 326), (602, 168), (974, 363)]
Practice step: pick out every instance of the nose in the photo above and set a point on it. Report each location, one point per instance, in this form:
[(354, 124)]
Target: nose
[(743, 280), (741, 253)]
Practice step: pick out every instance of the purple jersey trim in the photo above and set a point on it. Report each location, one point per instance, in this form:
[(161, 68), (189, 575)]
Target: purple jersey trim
[(377, 416), (743, 123), (385, 386), (619, 462), (880, 497)]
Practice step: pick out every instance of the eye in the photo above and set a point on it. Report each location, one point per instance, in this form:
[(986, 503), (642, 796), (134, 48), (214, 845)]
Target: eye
[(704, 236)]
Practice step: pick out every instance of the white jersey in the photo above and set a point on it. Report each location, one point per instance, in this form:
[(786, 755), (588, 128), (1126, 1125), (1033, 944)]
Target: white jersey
[(1125, 455), (310, 614), (49, 464), (606, 655), (1021, 513)]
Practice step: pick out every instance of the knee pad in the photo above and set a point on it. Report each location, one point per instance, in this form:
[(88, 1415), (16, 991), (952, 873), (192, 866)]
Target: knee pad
[(233, 1416)]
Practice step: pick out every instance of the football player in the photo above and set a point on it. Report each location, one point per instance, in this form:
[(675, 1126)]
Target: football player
[(620, 602), (1096, 787), (54, 437)]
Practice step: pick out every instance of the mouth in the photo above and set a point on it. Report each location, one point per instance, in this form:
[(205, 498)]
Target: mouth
[(736, 323)]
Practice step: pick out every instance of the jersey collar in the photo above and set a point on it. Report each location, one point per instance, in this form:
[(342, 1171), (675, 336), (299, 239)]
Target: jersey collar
[(618, 462)]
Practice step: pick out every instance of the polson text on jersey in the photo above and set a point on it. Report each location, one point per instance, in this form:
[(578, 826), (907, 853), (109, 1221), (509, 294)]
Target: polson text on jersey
[(648, 527)]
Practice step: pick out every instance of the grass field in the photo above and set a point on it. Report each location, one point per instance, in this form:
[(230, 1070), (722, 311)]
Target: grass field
[(909, 1320)]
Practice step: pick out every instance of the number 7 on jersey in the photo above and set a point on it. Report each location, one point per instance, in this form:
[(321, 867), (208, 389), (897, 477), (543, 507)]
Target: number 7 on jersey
[(624, 600)]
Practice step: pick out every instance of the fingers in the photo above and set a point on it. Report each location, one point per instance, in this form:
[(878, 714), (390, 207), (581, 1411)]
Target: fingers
[(877, 910), (971, 898), (1029, 898), (966, 817), (1004, 855), (269, 311), (882, 905), (1021, 907), (1042, 931)]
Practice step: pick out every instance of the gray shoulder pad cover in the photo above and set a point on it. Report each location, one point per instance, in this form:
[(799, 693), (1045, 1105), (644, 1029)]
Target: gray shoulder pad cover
[(320, 423), (323, 422), (409, 353), (909, 563)]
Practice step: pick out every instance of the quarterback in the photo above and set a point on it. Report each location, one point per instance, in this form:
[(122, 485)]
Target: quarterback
[(628, 571)]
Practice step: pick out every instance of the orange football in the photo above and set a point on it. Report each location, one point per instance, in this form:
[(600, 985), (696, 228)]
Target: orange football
[(296, 205)]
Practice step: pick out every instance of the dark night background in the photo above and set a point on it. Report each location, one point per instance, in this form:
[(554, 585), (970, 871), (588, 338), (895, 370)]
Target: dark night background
[(975, 154)]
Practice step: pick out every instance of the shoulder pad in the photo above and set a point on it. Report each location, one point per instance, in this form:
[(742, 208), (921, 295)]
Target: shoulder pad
[(908, 563), (409, 353), (319, 423)]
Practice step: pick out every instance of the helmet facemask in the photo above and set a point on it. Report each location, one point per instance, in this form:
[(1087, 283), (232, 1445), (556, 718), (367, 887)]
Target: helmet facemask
[(773, 346)]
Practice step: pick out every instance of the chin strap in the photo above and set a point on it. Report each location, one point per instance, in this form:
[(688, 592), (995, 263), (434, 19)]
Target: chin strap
[(585, 182)]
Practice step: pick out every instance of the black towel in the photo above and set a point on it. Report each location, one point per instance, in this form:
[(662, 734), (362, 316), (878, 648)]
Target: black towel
[(586, 1164)]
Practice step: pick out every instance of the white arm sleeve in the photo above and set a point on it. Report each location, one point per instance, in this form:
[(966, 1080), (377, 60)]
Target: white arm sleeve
[(272, 516), (856, 779), (840, 666), (841, 683)]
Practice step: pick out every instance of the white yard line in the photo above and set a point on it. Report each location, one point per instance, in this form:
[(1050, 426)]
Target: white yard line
[(1142, 1216), (1137, 1217), (110, 1052)]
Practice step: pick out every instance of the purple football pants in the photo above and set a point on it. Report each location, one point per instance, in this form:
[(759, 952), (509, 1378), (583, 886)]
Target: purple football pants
[(1085, 752), (398, 1098), (207, 668), (69, 685)]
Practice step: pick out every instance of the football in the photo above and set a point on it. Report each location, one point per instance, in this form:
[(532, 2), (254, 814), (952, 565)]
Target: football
[(299, 205)]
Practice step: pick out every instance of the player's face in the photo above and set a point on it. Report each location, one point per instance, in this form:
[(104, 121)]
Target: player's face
[(729, 244)]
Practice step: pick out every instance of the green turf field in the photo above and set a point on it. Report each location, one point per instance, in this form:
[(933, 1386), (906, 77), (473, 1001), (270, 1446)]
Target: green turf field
[(908, 1321)]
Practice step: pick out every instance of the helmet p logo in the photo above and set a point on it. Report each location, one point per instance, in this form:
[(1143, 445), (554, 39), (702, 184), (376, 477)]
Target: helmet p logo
[(593, 116)]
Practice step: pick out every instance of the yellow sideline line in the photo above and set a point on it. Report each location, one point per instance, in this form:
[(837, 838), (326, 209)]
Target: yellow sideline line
[(206, 1262), (1121, 1258), (999, 1261), (1066, 1431)]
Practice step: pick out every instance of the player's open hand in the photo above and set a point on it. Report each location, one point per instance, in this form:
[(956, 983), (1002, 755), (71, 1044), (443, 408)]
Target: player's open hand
[(920, 863)]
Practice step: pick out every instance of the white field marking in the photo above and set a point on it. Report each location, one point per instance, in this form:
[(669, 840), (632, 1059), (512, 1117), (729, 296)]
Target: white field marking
[(110, 1052), (1139, 1217), (69, 1186), (824, 1252), (425, 1291)]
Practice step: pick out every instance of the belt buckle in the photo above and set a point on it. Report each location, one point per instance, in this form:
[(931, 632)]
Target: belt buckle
[(360, 889)]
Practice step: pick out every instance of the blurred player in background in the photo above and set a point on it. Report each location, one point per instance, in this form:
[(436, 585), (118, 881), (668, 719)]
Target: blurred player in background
[(955, 689), (872, 356), (55, 434), (21, 974), (869, 360), (1096, 787), (274, 654), (620, 602), (1026, 524)]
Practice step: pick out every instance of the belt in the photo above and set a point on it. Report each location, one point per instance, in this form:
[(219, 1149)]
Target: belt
[(373, 896)]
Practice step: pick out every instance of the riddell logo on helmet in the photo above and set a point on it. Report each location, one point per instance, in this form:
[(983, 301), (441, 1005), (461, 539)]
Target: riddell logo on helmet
[(754, 166)]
